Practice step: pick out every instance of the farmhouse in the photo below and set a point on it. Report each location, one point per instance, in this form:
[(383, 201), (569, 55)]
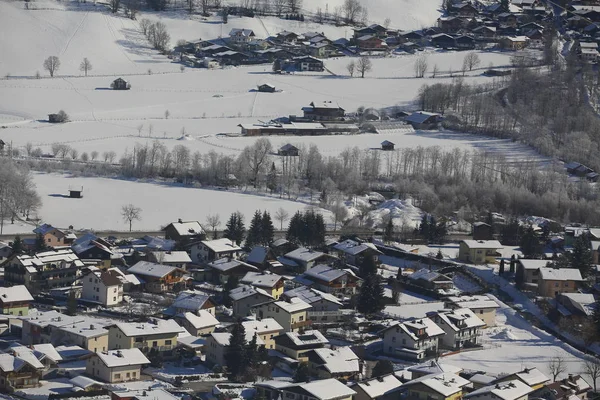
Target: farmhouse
[(266, 88), (332, 280), (191, 301), (423, 120), (303, 259), (19, 373), (370, 42), (288, 150), (208, 251), (325, 111)]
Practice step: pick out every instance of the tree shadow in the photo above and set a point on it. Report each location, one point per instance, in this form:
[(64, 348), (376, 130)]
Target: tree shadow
[(59, 195)]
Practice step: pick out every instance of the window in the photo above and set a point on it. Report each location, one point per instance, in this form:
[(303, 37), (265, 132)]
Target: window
[(48, 240), (128, 375), (301, 318), (555, 284), (95, 339), (480, 311), (114, 299), (90, 279), (155, 344), (117, 376), (566, 284), (168, 342)]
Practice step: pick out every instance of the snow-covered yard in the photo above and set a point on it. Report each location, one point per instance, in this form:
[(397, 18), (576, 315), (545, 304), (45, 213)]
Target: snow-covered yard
[(170, 372)]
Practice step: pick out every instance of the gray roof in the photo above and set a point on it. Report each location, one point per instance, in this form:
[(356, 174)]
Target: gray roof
[(146, 268), (304, 254), (420, 116), (193, 301), (325, 272)]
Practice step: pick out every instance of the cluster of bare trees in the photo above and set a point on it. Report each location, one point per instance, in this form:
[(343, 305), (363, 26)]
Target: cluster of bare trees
[(18, 198), (362, 66), (156, 33)]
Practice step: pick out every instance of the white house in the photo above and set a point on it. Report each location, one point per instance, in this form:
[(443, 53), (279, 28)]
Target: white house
[(210, 250), (483, 306), (462, 327), (241, 35), (179, 259), (414, 340), (115, 366), (104, 287), (199, 324)]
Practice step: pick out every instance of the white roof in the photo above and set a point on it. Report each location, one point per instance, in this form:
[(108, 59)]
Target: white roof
[(326, 273), (203, 320), (308, 337), (310, 295), (51, 257), (473, 302), (381, 386), (261, 280), (223, 338), (84, 382), (157, 327), (221, 245), (14, 294), (150, 393), (560, 274), (146, 268), (225, 264), (461, 316), (445, 384), (123, 357), (510, 390), (427, 275), (189, 228), (533, 264), (49, 350), (434, 367), (244, 291), (340, 360), (295, 304), (190, 300), (326, 389), (172, 256), (532, 376), (304, 254), (31, 357), (413, 326), (262, 326), (483, 244)]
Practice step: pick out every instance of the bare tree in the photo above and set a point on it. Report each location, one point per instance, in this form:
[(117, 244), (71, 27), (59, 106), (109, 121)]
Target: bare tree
[(205, 4), (319, 15), (190, 5), (131, 213), (158, 36), (352, 10), (364, 65), (85, 157), (281, 215), (386, 23), (421, 66), (472, 60), (51, 64), (256, 157), (435, 71), (167, 114), (73, 153), (114, 5), (591, 368), (85, 66), (213, 221), (351, 67), (111, 156), (278, 6), (339, 213), (28, 148), (144, 25), (94, 155), (556, 366), (294, 5)]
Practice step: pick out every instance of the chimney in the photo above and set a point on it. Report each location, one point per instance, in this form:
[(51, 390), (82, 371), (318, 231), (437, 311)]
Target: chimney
[(180, 221)]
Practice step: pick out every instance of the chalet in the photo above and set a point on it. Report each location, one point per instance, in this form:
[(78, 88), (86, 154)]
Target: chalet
[(266, 88), (532, 377), (208, 251), (443, 40), (287, 37), (440, 387), (555, 281), (320, 50), (54, 237), (461, 326), (332, 280), (508, 390), (370, 42), (91, 247), (288, 150), (291, 315), (514, 42), (414, 340), (464, 42), (372, 30), (339, 363), (423, 120), (120, 84), (116, 366), (465, 9), (220, 270), (387, 145), (479, 251), (303, 64), (565, 388), (102, 287), (19, 373), (354, 253), (184, 231), (241, 36), (296, 345), (244, 298), (385, 387), (158, 278), (191, 301), (303, 259), (157, 335), (201, 324), (325, 111), (481, 305), (446, 24), (271, 283), (266, 329), (263, 258), (431, 280), (178, 259), (412, 36), (15, 300), (282, 246), (528, 272), (485, 31)]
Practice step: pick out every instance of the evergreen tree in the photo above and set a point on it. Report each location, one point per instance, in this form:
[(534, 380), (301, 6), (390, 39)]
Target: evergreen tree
[(235, 357), (370, 296), (441, 232), (295, 228), (235, 229), (232, 283), (318, 233), (501, 270), (581, 256), (72, 304), (302, 373), (504, 5), (40, 244), (490, 221), (388, 231), (367, 267), (272, 179), (510, 233), (424, 227), (439, 255), (252, 353), (255, 231), (17, 246), (383, 367), (530, 244), (513, 263), (268, 230)]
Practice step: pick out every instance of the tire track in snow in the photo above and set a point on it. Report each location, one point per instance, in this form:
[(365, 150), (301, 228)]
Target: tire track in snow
[(111, 29), (82, 95), (74, 33)]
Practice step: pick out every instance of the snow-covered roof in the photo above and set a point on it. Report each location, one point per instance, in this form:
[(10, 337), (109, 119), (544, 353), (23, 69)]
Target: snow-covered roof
[(171, 256), (585, 302), (258, 254), (189, 228), (310, 295), (352, 247), (156, 327), (560, 274), (71, 352), (340, 360), (261, 280), (203, 320), (241, 32), (190, 300), (445, 384), (56, 257), (473, 302), (427, 275), (325, 272), (193, 342), (223, 338), (80, 325), (123, 357), (382, 386), (84, 382), (146, 268), (222, 245), (14, 294), (262, 326), (149, 393), (327, 389), (461, 318), (304, 254), (10, 363), (533, 264), (531, 376), (434, 367), (226, 264), (510, 390), (422, 116), (412, 327), (49, 350), (241, 292), (308, 337), (483, 244), (294, 305), (30, 356)]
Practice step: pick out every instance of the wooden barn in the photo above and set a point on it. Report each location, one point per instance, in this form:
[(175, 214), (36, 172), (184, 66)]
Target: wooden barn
[(76, 192), (266, 88), (387, 145), (120, 84), (288, 150)]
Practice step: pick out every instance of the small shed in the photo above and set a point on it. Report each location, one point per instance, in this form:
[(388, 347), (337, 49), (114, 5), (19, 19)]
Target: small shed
[(76, 192), (387, 145), (266, 88), (120, 84), (54, 118), (288, 150)]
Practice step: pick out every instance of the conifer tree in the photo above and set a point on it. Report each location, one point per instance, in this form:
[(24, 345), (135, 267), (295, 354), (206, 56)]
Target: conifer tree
[(295, 228), (388, 232), (501, 270), (370, 297), (272, 179), (302, 373), (235, 229), (235, 357), (581, 256), (40, 244), (17, 246), (367, 267), (268, 230), (255, 231), (251, 355), (383, 367), (72, 304)]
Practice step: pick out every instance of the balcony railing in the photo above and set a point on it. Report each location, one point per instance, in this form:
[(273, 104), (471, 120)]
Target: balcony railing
[(301, 324)]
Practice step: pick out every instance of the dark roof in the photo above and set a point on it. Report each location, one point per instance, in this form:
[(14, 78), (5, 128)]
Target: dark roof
[(110, 278)]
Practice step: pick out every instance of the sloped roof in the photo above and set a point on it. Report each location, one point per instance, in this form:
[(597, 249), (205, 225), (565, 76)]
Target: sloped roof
[(382, 386), (261, 280), (294, 305), (310, 295), (340, 360), (327, 389), (123, 357), (14, 294), (304, 254), (561, 274), (189, 228), (465, 315), (244, 291), (146, 268), (172, 256), (483, 244), (445, 384), (510, 390), (421, 116), (325, 272), (157, 327), (203, 320), (190, 300), (221, 245)]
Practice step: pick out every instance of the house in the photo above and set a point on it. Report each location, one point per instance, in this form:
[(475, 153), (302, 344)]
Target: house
[(241, 36), (324, 389), (415, 340), (217, 344), (385, 387), (201, 324), (479, 251), (120, 84), (288, 150), (91, 247), (264, 258), (302, 259), (339, 363), (178, 259), (387, 145), (43, 271), (191, 301), (103, 287), (19, 373), (532, 377), (303, 64), (464, 42), (375, 30), (509, 390), (271, 283), (208, 251), (158, 278), (514, 42), (423, 120), (287, 37), (528, 272), (266, 329), (5, 251), (462, 327), (354, 253), (266, 88), (371, 42), (184, 232), (485, 31), (564, 389), (446, 24), (554, 281), (431, 280), (115, 366), (292, 314), (481, 305), (54, 237), (244, 298), (296, 345), (433, 368), (482, 231), (221, 269), (325, 111), (581, 304), (142, 394), (155, 335), (465, 9), (15, 300), (332, 280), (318, 300), (441, 387), (320, 50)]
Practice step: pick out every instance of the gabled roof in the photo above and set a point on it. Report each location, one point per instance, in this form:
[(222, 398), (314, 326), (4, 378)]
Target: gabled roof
[(444, 384), (190, 300), (45, 228), (304, 254), (560, 274), (302, 339), (510, 390), (49, 350), (203, 320), (265, 325), (429, 276), (326, 273), (461, 316), (261, 280), (434, 367), (473, 302), (411, 328), (420, 116), (530, 376), (241, 32), (10, 363), (324, 389), (340, 360), (226, 264), (155, 327), (245, 291), (188, 228), (146, 268), (172, 256), (14, 294), (294, 305), (310, 295), (483, 244), (533, 264), (221, 245), (123, 358), (381, 386)]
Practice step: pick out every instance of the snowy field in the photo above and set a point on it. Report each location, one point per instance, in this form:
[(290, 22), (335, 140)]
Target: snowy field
[(100, 208)]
